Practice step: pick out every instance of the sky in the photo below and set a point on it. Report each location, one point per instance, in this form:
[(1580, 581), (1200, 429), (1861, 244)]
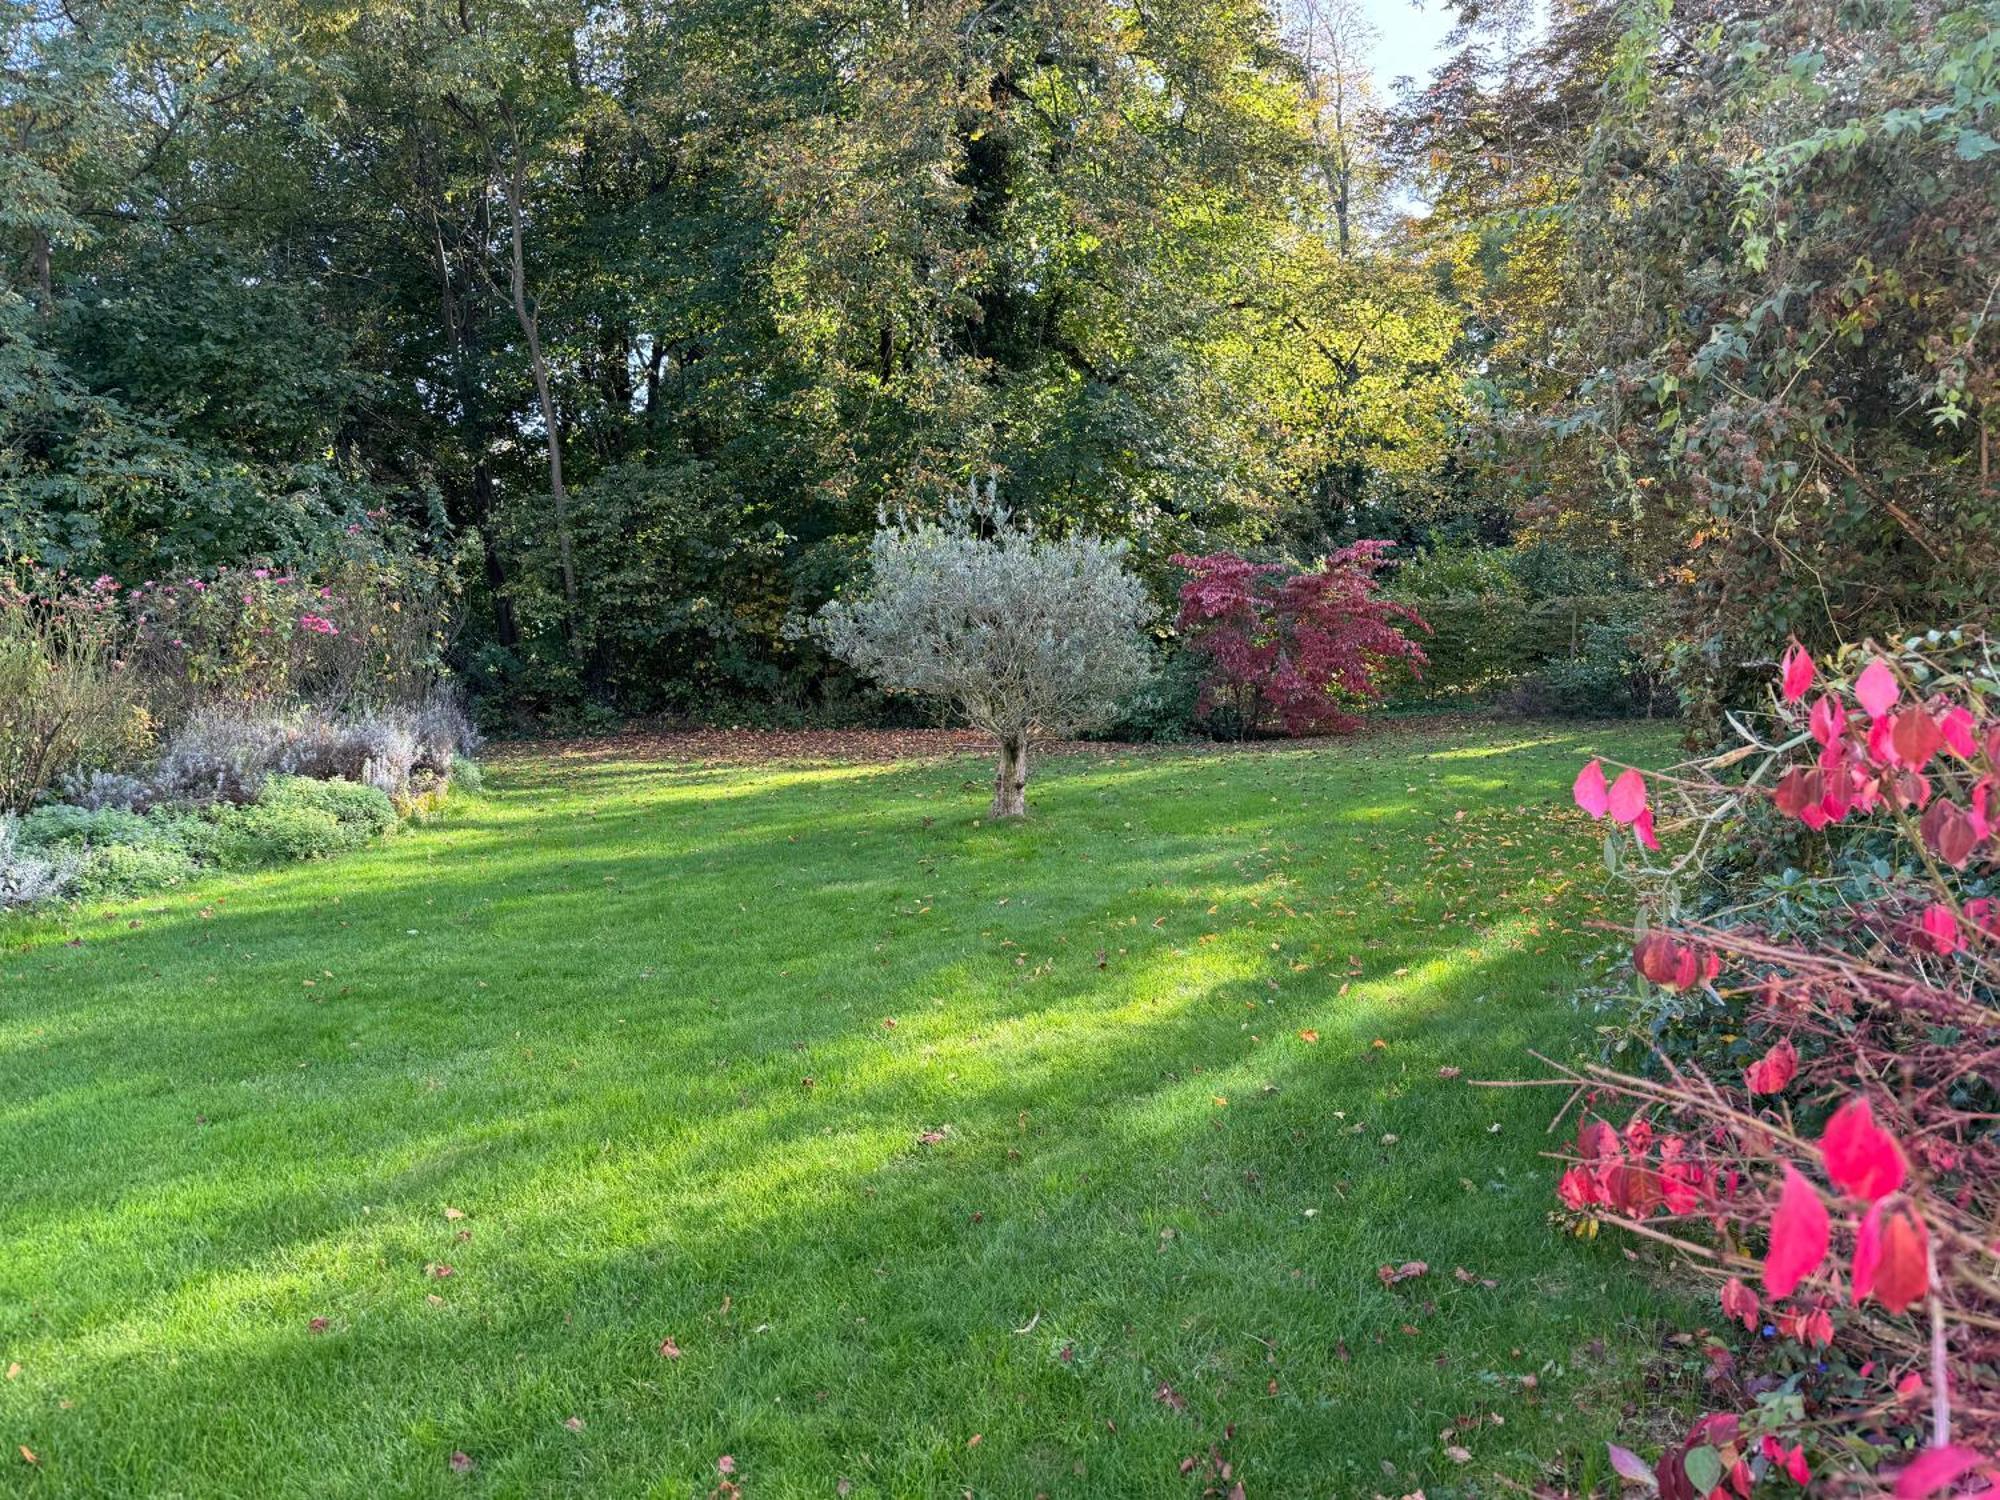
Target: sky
[(1410, 38)]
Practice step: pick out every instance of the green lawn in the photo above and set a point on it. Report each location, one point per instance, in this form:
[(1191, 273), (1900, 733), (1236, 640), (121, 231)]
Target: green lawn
[(952, 1157)]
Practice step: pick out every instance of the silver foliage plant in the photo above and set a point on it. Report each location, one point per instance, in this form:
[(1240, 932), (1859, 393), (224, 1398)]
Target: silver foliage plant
[(1026, 637), (31, 877), (224, 753)]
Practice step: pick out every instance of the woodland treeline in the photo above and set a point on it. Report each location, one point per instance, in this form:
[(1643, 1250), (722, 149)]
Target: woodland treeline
[(627, 321)]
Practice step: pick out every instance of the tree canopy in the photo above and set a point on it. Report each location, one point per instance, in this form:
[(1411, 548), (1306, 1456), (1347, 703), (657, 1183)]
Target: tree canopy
[(637, 314)]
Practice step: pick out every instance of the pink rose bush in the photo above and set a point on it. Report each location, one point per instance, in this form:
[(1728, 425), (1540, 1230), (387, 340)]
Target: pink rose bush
[(104, 675), (363, 629), (1826, 1154)]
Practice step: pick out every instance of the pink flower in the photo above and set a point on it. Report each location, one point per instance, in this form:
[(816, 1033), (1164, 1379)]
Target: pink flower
[(318, 625)]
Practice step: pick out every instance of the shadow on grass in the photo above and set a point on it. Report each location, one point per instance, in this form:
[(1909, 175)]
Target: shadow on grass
[(632, 1150)]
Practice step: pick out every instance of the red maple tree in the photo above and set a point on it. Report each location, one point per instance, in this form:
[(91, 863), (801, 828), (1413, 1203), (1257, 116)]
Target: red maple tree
[(1294, 651)]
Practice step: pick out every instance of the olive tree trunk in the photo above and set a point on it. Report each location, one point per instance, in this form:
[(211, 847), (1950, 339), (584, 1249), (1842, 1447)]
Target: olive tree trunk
[(1010, 782)]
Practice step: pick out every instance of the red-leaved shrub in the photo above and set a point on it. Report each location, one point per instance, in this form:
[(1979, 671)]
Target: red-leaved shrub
[(1832, 1164), (1293, 651)]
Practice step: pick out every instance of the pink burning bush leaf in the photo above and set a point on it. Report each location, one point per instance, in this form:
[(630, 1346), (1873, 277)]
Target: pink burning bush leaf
[(1799, 1235), (1891, 1258), (1774, 1070), (1590, 791), (1877, 689), (1796, 673), (1861, 1157), (1628, 797)]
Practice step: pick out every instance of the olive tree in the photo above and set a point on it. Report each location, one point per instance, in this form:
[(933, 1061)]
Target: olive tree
[(1026, 637)]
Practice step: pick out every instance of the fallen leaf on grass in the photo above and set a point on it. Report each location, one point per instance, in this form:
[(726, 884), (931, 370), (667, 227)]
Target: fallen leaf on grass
[(975, 1440), (1630, 1467), (725, 1464), (1448, 1072), (1170, 1397), (14, 1371), (1308, 1036), (1458, 1455), (1408, 1270), (438, 1270), (461, 1463), (318, 1325), (453, 1213), (28, 1454), (669, 1349), (574, 1424)]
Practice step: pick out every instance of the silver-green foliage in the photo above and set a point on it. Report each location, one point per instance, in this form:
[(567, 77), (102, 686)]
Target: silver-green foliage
[(31, 876), (1025, 636)]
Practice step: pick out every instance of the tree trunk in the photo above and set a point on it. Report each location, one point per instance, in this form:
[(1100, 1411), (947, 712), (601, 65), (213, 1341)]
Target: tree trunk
[(528, 314), (1010, 782)]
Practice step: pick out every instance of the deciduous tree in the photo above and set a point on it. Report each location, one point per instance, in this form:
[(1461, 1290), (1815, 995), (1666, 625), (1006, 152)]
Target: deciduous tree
[(1294, 650), (1024, 636)]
